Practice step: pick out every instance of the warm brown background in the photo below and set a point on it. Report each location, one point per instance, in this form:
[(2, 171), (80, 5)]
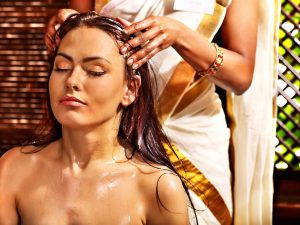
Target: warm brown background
[(23, 67)]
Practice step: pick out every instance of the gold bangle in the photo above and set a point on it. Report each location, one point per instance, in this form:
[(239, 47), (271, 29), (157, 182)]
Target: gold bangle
[(215, 66)]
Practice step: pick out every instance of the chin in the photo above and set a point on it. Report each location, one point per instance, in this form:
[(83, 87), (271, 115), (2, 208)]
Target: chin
[(72, 124), (71, 121)]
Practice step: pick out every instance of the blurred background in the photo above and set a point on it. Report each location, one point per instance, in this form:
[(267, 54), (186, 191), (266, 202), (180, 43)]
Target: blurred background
[(23, 76)]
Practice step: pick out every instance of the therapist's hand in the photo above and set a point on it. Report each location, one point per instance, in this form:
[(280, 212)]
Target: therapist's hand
[(154, 34), (53, 25)]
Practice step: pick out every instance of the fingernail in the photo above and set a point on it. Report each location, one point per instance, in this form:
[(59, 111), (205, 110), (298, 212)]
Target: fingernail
[(123, 50), (57, 26), (135, 66), (129, 62)]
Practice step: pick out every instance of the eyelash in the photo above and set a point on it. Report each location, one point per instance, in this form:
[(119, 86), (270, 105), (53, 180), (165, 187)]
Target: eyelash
[(95, 74), (61, 70), (89, 73)]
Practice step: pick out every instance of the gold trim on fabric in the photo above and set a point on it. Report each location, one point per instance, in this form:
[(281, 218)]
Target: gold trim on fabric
[(178, 93), (184, 73), (200, 185), (174, 89), (210, 23), (193, 92)]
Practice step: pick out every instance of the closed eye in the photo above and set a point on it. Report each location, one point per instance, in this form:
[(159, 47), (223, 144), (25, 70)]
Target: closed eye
[(95, 73), (94, 70), (61, 69)]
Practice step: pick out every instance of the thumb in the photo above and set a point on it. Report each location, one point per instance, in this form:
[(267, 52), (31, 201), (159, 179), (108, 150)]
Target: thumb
[(63, 14), (124, 22)]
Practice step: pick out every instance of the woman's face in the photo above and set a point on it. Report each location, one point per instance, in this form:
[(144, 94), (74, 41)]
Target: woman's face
[(88, 83)]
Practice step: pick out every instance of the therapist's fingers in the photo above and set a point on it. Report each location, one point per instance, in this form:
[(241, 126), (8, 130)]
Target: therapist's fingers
[(142, 25), (53, 25), (153, 34), (50, 31), (124, 22), (141, 39), (140, 57)]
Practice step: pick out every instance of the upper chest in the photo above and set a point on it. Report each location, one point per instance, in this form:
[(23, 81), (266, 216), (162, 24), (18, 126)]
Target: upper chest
[(103, 197)]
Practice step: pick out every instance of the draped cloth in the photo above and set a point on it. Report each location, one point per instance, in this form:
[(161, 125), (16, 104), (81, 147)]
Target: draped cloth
[(253, 127)]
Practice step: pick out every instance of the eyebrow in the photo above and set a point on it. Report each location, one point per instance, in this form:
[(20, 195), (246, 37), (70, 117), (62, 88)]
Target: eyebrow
[(87, 59), (65, 56)]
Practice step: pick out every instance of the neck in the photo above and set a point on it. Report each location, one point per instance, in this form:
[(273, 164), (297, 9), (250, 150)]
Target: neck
[(81, 146)]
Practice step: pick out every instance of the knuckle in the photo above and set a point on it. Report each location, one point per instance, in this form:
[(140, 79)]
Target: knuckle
[(141, 53), (135, 27), (160, 29), (131, 43), (155, 19), (164, 37), (148, 48), (142, 38), (160, 48)]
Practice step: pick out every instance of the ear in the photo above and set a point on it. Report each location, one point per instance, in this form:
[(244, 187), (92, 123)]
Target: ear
[(131, 90)]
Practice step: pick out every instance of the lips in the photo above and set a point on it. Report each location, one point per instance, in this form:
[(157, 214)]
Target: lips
[(71, 101)]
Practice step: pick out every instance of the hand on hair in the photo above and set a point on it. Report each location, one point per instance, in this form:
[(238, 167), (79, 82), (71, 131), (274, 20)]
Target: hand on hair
[(53, 25), (154, 34)]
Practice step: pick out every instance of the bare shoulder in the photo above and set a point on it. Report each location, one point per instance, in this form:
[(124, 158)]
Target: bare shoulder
[(16, 152), (169, 189), (12, 171), (17, 155), (13, 162), (12, 158), (164, 195), (159, 176), (18, 162)]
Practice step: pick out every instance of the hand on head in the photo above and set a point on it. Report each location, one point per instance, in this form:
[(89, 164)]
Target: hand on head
[(153, 34), (53, 25)]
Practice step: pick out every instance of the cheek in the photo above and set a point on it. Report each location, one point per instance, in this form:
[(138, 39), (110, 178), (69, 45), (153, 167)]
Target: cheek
[(109, 93), (54, 88), (50, 87)]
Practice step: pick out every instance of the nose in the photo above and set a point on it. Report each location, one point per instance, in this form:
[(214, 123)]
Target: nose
[(73, 81)]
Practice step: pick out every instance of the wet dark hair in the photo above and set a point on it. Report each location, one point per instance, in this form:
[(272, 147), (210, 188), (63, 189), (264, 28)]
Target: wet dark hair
[(139, 125)]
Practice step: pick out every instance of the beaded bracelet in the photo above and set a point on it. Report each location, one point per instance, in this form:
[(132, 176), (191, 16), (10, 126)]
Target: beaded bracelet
[(213, 68)]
